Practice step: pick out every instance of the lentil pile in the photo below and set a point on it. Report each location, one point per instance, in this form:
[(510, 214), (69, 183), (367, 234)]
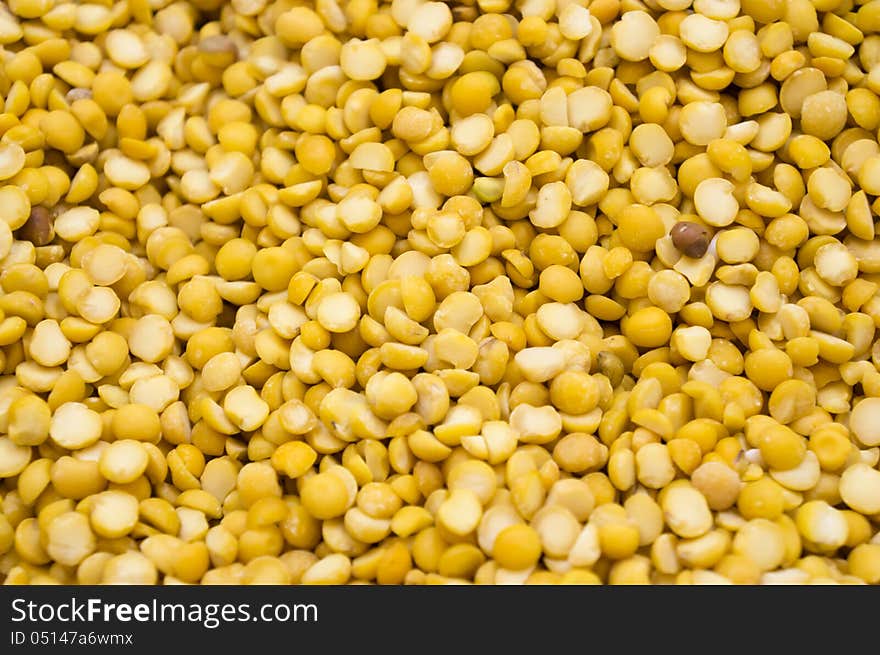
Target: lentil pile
[(499, 291)]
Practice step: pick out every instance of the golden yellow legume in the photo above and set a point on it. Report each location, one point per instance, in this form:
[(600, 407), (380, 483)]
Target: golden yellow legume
[(409, 292)]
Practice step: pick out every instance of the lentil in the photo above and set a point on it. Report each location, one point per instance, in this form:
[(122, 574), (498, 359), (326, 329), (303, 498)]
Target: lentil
[(414, 291)]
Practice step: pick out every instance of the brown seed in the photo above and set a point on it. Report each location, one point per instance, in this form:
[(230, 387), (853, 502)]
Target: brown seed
[(692, 239), (38, 227)]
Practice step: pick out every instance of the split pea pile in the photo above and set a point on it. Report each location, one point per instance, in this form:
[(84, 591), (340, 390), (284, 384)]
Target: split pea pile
[(492, 291)]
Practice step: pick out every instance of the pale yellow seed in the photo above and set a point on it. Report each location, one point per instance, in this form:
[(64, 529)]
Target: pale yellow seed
[(127, 173), (70, 538), (633, 34), (715, 201), (338, 312), (245, 408), (16, 206), (692, 343), (75, 426), (13, 458), (574, 22), (123, 461), (126, 49), (703, 34), (77, 223), (151, 339), (98, 305), (864, 421), (12, 159), (48, 345), (860, 488), (686, 511), (701, 122), (461, 511), (106, 264), (835, 264), (114, 513)]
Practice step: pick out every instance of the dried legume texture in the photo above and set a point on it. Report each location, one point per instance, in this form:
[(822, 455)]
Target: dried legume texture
[(530, 291)]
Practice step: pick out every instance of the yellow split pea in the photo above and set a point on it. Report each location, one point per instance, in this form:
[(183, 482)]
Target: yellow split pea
[(422, 292)]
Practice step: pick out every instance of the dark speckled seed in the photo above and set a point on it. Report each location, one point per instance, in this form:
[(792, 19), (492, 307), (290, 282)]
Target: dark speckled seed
[(692, 239), (38, 227)]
